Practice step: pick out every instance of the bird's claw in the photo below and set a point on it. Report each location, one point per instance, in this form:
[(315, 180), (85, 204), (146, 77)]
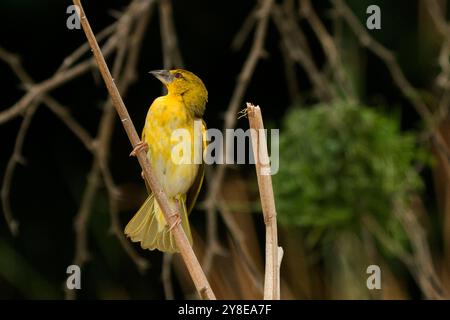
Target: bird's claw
[(140, 146), (176, 223)]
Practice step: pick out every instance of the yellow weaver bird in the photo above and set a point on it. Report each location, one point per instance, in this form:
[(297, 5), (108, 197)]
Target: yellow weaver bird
[(181, 181)]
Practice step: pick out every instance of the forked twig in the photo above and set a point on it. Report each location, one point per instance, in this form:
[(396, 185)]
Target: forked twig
[(59, 78), (60, 111), (328, 45), (298, 49)]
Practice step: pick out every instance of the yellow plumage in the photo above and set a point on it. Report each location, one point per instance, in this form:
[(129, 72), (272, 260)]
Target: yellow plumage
[(181, 181)]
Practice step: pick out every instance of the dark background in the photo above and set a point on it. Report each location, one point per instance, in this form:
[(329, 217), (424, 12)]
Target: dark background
[(46, 191)]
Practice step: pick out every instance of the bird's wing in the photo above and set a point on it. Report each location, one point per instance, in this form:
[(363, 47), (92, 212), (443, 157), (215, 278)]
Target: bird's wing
[(194, 190)]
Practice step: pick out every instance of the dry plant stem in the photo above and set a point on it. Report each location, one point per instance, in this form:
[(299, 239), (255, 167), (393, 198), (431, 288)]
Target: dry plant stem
[(280, 254), (256, 53), (273, 253), (199, 278)]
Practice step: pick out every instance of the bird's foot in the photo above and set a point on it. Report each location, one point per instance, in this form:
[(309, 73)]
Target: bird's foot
[(140, 146), (177, 221)]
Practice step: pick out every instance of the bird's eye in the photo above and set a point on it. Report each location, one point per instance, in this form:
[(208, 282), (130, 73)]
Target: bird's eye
[(177, 75)]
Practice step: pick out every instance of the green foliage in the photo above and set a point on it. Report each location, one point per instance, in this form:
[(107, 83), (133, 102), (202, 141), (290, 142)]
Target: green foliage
[(340, 162)]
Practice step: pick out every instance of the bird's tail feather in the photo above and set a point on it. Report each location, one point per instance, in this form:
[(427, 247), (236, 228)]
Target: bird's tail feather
[(149, 227)]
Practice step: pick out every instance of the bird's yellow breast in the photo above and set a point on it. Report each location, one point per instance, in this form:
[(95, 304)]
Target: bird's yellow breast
[(166, 120)]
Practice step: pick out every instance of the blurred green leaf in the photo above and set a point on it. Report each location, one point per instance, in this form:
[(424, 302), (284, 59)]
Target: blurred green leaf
[(340, 162)]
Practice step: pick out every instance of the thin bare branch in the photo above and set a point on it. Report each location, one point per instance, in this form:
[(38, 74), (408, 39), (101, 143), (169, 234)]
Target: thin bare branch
[(59, 110), (170, 213), (107, 124), (292, 37), (244, 32), (100, 167), (87, 200), (14, 62), (171, 52), (58, 79), (64, 115), (241, 246), (328, 45), (15, 159), (166, 276), (419, 262), (423, 263), (84, 48)]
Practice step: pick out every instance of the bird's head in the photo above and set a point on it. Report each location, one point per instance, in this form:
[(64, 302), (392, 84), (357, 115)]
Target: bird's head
[(187, 85)]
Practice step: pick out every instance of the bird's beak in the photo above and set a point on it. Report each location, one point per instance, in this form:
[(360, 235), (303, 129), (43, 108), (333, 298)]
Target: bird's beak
[(163, 75)]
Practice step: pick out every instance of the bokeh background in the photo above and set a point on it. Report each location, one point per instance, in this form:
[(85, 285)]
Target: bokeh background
[(364, 173)]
